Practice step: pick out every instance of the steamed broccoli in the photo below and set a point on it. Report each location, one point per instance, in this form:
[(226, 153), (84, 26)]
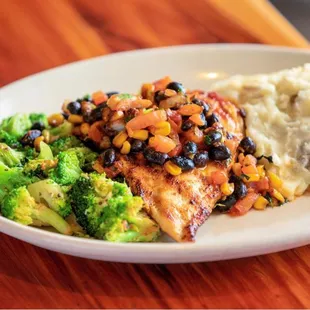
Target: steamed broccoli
[(40, 165), (11, 178), (39, 118), (17, 125), (49, 192), (67, 170), (9, 139), (107, 210), (9, 156), (20, 207), (63, 130), (65, 143)]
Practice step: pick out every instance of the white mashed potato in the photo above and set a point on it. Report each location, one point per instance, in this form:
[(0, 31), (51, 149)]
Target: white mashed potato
[(278, 120)]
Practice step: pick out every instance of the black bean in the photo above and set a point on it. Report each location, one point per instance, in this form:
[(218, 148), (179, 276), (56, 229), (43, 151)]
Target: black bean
[(184, 163), (187, 125), (211, 119), (109, 157), (240, 190), (201, 159), (201, 103), (212, 137), (225, 205), (242, 112), (96, 114), (74, 107), (137, 146), (38, 126), (247, 145), (155, 157), (203, 118), (190, 148), (219, 152), (30, 136), (178, 87), (111, 93), (159, 96), (65, 115)]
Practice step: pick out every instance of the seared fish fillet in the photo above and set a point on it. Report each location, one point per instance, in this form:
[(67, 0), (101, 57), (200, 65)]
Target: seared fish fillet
[(180, 204)]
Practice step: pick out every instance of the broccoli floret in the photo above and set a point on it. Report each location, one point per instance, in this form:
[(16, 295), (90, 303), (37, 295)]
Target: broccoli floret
[(9, 139), (39, 167), (107, 210), (17, 125), (11, 178), (65, 143), (86, 157), (45, 151), (67, 170), (30, 153), (20, 207), (9, 156), (63, 130), (49, 192), (39, 118)]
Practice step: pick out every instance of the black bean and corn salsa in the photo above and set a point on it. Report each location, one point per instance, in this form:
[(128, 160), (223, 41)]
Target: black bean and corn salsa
[(58, 166)]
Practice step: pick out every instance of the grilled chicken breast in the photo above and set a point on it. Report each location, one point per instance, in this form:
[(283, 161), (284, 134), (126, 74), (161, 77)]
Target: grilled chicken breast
[(180, 204)]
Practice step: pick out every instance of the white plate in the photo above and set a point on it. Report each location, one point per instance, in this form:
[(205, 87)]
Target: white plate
[(221, 237)]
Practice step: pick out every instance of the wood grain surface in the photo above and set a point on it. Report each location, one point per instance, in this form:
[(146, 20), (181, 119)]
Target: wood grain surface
[(40, 34)]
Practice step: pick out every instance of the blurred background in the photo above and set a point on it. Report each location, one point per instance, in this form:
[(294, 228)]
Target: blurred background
[(40, 34)]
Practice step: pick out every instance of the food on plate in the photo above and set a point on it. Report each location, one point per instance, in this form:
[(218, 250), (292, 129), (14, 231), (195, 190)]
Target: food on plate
[(278, 120), (121, 167)]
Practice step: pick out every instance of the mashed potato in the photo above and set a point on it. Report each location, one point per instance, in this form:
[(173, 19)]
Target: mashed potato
[(278, 120)]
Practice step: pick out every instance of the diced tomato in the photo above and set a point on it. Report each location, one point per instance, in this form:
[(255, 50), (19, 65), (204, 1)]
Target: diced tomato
[(236, 168), (99, 97), (95, 132), (194, 134), (196, 119), (176, 151), (219, 177), (215, 96), (244, 205), (190, 109), (231, 144), (261, 185), (175, 120), (162, 144), (251, 169), (146, 120), (162, 83), (249, 160)]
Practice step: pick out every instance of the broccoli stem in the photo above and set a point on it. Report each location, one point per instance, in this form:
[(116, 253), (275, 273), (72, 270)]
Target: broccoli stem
[(46, 215)]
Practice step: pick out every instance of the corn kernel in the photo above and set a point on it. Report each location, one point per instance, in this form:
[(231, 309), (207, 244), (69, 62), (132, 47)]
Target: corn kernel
[(275, 181), (261, 171), (251, 177), (227, 188), (172, 168), (126, 148), (261, 203), (117, 115), (120, 139), (105, 143), (170, 92), (75, 119), (47, 136), (37, 142), (55, 119), (85, 129), (141, 134), (277, 195), (162, 128)]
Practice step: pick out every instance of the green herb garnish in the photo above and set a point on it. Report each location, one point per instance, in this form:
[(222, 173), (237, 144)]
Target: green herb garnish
[(244, 176)]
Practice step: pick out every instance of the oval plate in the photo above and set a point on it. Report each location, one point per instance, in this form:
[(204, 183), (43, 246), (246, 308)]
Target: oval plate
[(221, 237)]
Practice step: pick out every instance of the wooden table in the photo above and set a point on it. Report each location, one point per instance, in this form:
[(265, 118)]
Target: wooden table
[(40, 34)]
